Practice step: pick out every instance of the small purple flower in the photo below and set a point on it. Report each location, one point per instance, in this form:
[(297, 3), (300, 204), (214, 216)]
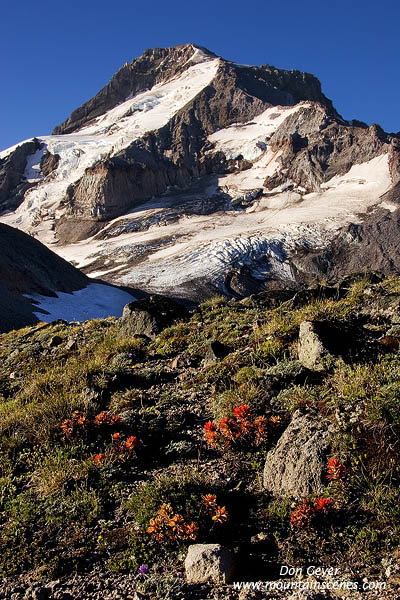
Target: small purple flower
[(143, 570), (180, 576), (130, 355)]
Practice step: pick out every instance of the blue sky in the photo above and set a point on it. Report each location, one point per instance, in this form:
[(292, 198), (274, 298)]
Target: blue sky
[(56, 55)]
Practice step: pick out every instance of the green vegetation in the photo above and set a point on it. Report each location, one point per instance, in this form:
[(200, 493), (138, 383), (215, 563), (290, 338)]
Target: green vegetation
[(133, 436)]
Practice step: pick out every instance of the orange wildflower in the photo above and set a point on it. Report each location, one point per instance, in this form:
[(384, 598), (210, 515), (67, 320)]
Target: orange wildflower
[(242, 413), (106, 418), (335, 470), (170, 525), (210, 431), (302, 514), (75, 424), (99, 458), (323, 504), (221, 516), (228, 428), (260, 429), (130, 443), (67, 427), (191, 531), (209, 500)]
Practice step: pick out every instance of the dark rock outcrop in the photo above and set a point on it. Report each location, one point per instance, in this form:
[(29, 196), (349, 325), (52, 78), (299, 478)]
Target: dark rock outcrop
[(49, 163), (12, 182), (28, 267), (215, 352), (316, 146), (151, 315)]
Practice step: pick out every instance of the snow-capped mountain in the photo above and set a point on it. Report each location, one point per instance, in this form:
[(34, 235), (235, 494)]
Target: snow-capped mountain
[(188, 174)]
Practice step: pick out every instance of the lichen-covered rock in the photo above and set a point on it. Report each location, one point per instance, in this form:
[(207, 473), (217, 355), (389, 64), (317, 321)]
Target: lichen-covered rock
[(296, 466), (151, 315), (209, 563), (312, 350)]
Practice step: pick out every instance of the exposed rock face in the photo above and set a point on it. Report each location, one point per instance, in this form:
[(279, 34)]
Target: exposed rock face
[(209, 563), (12, 182), (315, 147), (49, 163), (297, 464), (151, 315)]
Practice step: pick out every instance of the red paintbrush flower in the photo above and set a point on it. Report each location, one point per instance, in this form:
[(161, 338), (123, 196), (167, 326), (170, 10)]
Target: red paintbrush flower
[(335, 470)]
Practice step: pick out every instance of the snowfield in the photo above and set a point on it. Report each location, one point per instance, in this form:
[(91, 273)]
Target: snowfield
[(250, 139), (260, 236), (96, 301)]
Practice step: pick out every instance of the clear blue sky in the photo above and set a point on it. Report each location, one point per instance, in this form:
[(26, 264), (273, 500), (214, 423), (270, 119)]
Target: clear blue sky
[(54, 55)]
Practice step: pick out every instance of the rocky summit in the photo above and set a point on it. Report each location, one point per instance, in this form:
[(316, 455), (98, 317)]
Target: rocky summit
[(190, 175)]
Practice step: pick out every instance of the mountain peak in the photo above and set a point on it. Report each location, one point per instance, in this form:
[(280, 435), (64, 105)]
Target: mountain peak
[(154, 66), (159, 65), (245, 167)]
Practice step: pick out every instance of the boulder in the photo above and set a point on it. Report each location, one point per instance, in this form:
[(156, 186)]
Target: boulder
[(312, 349), (151, 315), (209, 563), (55, 340), (296, 466), (215, 352)]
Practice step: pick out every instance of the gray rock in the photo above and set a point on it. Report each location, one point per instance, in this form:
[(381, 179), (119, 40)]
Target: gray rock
[(296, 466), (55, 340), (41, 593), (149, 316), (215, 352), (71, 345), (312, 350), (13, 183), (209, 563)]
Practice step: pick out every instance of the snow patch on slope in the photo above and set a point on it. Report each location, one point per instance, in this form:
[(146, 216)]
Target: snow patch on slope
[(250, 139), (32, 170), (96, 301)]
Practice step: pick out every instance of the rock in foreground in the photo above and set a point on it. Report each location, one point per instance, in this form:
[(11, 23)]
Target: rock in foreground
[(295, 467), (209, 563)]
